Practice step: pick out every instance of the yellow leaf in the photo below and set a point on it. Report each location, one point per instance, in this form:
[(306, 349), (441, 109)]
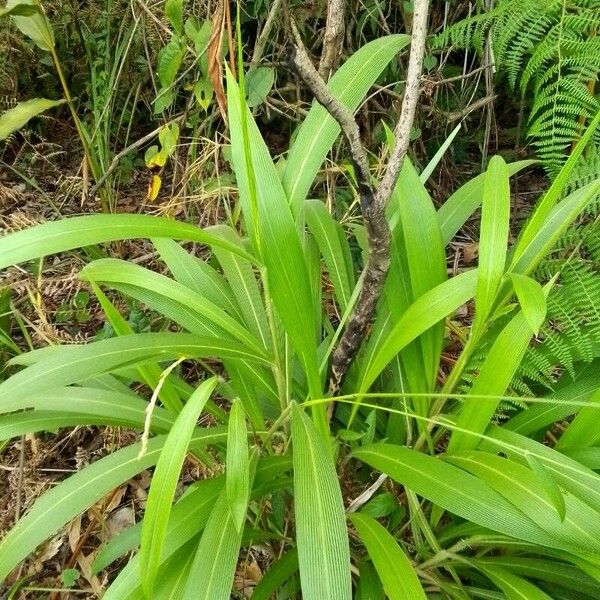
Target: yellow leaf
[(154, 188)]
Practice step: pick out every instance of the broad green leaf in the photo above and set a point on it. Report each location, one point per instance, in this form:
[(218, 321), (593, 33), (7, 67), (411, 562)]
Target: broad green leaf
[(64, 502), (395, 571), (164, 483), (426, 311), (110, 270), (455, 212), (13, 119), (494, 377), (80, 363), (584, 430), (32, 23), (515, 587), (548, 204), (321, 536), (32, 421), (170, 58), (579, 531), (495, 217), (279, 572), (278, 239), (173, 574), (259, 82), (237, 465), (213, 569), (174, 12), (77, 232), (319, 130), (334, 248), (533, 248), (454, 490), (532, 300)]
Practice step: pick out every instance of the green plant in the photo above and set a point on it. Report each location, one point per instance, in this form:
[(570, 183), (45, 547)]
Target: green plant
[(548, 47), (471, 509)]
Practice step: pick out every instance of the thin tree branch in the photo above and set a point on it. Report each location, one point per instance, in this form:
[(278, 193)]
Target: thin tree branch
[(265, 34), (409, 104), (372, 203), (333, 38), (376, 225)]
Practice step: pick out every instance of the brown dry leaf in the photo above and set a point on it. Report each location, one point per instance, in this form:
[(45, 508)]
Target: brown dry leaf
[(120, 520), (470, 252), (246, 578), (213, 53), (85, 569), (74, 533)]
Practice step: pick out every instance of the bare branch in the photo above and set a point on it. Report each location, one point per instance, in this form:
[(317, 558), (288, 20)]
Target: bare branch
[(332, 40), (376, 225), (409, 104), (265, 34), (372, 203)]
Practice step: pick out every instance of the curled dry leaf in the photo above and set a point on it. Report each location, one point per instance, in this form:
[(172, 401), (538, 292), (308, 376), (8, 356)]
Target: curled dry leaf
[(215, 69)]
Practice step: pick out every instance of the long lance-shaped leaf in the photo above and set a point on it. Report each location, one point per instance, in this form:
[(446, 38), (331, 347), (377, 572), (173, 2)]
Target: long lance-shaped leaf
[(191, 511), (13, 119), (425, 271), (564, 401), (395, 571), (515, 587), (93, 401), (150, 374), (334, 248), (213, 570), (197, 275), (111, 270), (322, 539), (578, 530), (584, 430), (279, 572), (280, 247), (237, 465), (80, 491), (426, 311), (240, 276), (188, 518), (542, 569), (495, 216), (164, 483), (319, 130), (461, 205), (534, 247), (493, 379), (77, 232), (79, 363), (549, 201), (571, 475), (454, 490)]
